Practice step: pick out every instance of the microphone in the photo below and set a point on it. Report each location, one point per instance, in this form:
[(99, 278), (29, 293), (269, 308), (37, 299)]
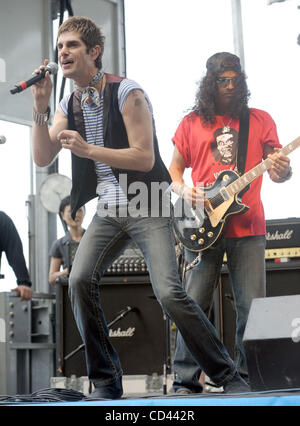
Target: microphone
[(52, 67), (2, 139)]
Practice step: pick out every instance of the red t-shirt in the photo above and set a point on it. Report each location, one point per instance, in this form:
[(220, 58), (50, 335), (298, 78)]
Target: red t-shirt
[(208, 152)]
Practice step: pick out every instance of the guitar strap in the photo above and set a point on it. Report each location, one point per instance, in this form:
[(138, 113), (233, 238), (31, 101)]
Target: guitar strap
[(243, 140)]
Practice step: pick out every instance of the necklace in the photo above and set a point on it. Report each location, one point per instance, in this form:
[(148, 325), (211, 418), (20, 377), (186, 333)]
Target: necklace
[(226, 127)]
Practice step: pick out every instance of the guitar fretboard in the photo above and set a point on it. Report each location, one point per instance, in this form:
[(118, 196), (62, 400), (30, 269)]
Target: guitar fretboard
[(241, 183)]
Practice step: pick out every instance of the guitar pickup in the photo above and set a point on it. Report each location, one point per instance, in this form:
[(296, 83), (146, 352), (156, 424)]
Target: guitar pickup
[(224, 194)]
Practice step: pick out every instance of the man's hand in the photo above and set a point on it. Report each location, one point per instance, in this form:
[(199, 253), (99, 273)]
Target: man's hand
[(71, 140), (24, 291), (194, 196), (42, 90), (280, 169)]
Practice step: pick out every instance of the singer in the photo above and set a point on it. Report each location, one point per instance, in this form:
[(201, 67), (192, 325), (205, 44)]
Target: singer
[(107, 124)]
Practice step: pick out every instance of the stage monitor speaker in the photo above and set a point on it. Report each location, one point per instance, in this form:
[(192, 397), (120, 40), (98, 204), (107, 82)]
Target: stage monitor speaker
[(139, 337), (272, 343), (283, 279)]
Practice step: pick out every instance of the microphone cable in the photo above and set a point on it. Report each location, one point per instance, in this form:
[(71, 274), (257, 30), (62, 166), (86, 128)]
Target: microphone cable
[(44, 396)]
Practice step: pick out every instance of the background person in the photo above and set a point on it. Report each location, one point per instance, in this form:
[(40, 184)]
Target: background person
[(60, 255), (11, 245)]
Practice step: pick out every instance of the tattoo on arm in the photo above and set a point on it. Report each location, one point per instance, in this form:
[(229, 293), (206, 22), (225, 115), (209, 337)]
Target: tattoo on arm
[(138, 102), (137, 95)]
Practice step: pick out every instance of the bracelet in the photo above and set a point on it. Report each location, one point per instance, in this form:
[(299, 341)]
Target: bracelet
[(39, 118)]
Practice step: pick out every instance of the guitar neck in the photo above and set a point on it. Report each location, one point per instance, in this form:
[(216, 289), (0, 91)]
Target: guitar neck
[(241, 183)]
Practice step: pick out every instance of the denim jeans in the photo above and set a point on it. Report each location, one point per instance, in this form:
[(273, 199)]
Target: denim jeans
[(246, 265), (102, 242)]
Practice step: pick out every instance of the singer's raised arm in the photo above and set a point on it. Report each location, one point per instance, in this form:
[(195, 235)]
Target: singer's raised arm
[(45, 145)]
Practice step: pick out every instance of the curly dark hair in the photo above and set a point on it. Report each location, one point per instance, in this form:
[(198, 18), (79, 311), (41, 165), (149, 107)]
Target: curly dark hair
[(205, 102)]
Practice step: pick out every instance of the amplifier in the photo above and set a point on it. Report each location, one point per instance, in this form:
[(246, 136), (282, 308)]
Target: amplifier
[(282, 239), (141, 338), (131, 262), (283, 233)]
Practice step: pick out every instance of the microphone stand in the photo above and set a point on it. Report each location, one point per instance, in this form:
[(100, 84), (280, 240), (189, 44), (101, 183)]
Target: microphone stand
[(121, 315)]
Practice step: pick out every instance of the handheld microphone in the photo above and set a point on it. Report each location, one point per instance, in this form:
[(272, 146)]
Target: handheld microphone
[(2, 139), (52, 67)]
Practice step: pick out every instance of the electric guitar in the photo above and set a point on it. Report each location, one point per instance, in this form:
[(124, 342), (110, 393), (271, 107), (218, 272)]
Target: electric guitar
[(199, 228)]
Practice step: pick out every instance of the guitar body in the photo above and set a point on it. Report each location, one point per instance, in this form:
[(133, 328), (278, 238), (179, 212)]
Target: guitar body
[(199, 229)]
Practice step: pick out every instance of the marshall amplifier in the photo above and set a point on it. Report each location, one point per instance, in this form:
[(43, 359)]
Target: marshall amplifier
[(283, 238), (130, 262), (139, 332)]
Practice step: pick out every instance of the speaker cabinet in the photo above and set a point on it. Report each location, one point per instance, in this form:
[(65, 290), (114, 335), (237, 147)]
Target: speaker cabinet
[(139, 336), (283, 279), (272, 343)]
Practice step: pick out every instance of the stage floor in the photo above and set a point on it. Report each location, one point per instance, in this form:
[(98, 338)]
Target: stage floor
[(174, 403)]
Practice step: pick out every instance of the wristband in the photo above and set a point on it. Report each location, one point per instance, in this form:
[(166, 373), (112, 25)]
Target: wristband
[(39, 118)]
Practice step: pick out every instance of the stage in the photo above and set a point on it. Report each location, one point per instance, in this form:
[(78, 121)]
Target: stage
[(172, 404)]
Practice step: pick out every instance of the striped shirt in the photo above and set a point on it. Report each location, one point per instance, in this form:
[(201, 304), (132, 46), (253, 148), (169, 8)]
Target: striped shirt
[(108, 188)]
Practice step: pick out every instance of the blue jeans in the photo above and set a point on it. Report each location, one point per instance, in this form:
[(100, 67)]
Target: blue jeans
[(103, 241), (246, 265)]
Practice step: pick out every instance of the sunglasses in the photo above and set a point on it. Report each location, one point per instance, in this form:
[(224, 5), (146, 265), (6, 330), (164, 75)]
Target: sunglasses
[(224, 81)]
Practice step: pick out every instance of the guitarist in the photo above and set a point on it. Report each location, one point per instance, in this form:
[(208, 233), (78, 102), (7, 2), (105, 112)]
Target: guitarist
[(207, 141)]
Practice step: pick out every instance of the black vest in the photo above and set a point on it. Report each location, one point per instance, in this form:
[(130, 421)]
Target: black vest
[(84, 179)]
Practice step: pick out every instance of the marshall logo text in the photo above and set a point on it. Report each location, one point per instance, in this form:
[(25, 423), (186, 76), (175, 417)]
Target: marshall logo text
[(122, 333), (279, 236)]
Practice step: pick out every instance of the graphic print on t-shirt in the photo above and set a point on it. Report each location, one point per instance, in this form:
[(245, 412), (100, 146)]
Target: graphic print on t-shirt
[(225, 146)]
